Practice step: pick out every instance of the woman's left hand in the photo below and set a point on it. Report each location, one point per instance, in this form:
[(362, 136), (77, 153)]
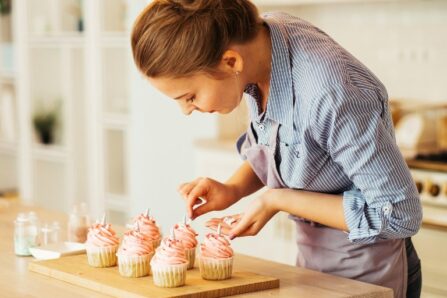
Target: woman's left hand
[(249, 223)]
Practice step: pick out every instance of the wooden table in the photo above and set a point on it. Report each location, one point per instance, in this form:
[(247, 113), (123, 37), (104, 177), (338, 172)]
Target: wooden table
[(17, 281)]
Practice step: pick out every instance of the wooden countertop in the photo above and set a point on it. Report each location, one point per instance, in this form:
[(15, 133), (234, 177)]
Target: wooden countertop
[(17, 281)]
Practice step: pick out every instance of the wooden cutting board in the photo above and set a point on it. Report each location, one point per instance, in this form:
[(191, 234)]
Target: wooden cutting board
[(75, 270)]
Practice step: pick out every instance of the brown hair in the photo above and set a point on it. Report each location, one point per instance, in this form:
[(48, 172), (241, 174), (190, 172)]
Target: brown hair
[(177, 38)]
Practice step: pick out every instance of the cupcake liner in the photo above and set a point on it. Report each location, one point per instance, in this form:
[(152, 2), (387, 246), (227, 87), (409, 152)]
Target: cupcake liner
[(134, 266), (156, 243), (215, 269), (191, 256), (169, 276), (101, 256)]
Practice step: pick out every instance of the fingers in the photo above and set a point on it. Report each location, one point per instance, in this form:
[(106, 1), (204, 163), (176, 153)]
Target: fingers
[(191, 192), (185, 188), (242, 228), (201, 209), (229, 221)]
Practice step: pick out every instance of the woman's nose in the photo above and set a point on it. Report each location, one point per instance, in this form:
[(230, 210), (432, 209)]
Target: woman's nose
[(187, 109)]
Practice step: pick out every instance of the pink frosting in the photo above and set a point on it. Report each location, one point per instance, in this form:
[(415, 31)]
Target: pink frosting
[(136, 243), (170, 252), (99, 235), (186, 234), (148, 226), (215, 246)]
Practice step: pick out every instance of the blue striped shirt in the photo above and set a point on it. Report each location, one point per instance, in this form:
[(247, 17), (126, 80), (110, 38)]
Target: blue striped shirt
[(336, 133)]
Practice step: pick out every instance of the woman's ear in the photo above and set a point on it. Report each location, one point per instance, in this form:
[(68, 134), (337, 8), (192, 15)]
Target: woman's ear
[(232, 62)]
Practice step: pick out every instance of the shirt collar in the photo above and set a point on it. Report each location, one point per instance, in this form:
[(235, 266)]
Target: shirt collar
[(280, 99)]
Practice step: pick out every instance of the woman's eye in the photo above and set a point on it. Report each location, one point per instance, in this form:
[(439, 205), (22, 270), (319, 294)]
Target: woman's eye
[(191, 99)]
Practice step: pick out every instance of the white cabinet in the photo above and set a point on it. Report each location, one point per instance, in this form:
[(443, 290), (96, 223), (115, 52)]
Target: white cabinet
[(430, 244), (74, 54), (8, 104)]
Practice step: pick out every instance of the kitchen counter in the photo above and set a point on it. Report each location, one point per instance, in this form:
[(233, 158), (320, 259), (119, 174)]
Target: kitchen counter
[(17, 281)]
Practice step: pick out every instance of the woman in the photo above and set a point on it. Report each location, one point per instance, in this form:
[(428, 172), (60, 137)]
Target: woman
[(320, 138)]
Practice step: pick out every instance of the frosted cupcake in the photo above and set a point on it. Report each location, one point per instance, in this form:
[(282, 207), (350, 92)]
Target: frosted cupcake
[(186, 234), (216, 257), (135, 254), (149, 227), (101, 245), (169, 263)]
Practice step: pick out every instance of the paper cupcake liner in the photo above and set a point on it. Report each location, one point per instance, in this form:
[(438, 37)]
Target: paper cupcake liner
[(134, 266), (169, 276), (191, 256), (215, 269), (101, 256), (156, 243)]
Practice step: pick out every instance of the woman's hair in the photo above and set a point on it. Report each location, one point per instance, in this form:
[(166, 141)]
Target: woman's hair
[(177, 38)]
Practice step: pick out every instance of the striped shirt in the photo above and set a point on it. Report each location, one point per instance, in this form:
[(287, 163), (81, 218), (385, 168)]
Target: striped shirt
[(336, 134)]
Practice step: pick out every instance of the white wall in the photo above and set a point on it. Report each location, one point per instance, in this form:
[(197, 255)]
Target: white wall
[(403, 42)]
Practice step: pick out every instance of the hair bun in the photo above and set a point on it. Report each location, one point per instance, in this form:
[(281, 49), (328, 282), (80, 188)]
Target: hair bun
[(196, 5), (183, 37)]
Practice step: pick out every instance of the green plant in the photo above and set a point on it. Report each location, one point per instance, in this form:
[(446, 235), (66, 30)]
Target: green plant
[(5, 7), (45, 121)]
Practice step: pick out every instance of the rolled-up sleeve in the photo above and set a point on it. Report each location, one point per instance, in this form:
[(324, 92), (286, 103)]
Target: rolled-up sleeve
[(350, 124)]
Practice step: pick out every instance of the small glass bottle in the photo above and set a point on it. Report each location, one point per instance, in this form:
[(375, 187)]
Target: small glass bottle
[(55, 228), (35, 226), (78, 224), (25, 235), (46, 234)]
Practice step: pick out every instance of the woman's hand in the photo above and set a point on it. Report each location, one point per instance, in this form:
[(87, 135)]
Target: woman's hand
[(249, 223), (216, 196)]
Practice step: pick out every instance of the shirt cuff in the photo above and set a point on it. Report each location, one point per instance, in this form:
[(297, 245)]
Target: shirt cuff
[(365, 223)]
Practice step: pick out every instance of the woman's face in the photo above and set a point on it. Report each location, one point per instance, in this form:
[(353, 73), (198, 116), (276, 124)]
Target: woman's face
[(201, 92)]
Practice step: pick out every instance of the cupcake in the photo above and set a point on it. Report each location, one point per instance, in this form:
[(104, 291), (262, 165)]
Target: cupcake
[(149, 227), (135, 254), (186, 234), (101, 245), (216, 257), (169, 263)]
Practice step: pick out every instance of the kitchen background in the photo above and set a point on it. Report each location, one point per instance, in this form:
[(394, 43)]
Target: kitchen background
[(79, 124)]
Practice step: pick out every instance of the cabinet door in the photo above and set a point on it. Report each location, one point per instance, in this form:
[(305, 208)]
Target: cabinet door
[(430, 245)]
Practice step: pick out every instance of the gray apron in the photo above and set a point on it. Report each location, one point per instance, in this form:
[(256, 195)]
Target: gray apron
[(326, 249)]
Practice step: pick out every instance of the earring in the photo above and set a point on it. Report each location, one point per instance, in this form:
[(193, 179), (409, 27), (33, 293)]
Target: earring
[(237, 73)]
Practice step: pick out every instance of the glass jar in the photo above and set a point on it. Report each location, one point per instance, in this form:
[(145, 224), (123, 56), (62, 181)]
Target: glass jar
[(55, 228), (25, 234), (35, 226), (78, 224)]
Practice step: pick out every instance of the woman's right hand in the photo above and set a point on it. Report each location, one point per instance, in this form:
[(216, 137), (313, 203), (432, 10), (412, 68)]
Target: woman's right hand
[(217, 196)]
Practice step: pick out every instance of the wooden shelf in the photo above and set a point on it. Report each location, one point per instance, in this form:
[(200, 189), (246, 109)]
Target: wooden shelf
[(116, 39), (71, 39), (51, 153)]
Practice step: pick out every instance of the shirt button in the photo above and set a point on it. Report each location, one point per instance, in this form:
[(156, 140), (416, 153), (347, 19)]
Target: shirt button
[(387, 209), (261, 127)]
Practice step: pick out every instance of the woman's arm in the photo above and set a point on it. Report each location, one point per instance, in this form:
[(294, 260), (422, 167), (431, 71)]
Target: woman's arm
[(354, 126), (326, 209), (244, 181)]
